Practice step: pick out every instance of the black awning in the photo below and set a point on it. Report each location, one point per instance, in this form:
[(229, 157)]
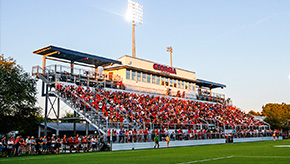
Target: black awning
[(75, 56)]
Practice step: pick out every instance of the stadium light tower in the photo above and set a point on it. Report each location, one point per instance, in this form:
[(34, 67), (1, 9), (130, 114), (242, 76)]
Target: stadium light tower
[(169, 49), (134, 14)]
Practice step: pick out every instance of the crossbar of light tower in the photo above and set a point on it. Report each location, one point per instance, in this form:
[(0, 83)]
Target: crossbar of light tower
[(134, 14)]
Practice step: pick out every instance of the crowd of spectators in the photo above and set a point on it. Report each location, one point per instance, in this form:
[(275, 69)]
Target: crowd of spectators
[(50, 145), (118, 106), (55, 145)]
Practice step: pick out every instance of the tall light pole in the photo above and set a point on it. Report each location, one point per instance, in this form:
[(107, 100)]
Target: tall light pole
[(169, 49), (134, 14)]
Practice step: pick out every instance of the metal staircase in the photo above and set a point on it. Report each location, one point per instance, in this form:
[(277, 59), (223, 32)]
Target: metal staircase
[(92, 116)]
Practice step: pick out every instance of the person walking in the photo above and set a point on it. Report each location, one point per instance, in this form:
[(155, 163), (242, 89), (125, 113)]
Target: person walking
[(156, 139)]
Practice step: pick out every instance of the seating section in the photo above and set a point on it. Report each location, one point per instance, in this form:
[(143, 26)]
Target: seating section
[(120, 106)]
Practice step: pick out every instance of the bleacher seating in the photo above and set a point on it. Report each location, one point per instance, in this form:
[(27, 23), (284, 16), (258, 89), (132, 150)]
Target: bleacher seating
[(120, 107)]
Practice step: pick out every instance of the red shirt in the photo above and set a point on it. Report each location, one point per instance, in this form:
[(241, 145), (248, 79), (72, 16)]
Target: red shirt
[(70, 141)]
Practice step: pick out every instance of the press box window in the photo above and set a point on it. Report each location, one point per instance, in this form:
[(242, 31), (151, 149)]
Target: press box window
[(153, 79), (158, 80), (133, 75), (128, 74), (143, 77), (138, 76), (148, 78)]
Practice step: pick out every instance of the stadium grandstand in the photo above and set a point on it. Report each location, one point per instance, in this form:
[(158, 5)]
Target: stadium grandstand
[(131, 100)]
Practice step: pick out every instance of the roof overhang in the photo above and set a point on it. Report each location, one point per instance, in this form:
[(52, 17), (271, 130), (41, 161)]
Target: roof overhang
[(75, 56)]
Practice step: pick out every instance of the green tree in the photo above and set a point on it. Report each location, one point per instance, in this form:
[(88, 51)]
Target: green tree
[(17, 98), (278, 115), (255, 113)]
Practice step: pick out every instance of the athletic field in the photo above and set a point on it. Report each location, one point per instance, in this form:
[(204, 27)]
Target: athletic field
[(254, 152)]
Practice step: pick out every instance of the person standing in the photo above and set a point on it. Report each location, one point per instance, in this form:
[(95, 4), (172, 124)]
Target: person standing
[(38, 145), (22, 146), (167, 140), (33, 143), (4, 147), (94, 143), (10, 145), (71, 144), (1, 145), (156, 139), (64, 143), (28, 145), (85, 144), (16, 147), (44, 144)]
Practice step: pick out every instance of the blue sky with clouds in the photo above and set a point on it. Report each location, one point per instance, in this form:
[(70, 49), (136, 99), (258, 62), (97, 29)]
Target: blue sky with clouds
[(243, 44)]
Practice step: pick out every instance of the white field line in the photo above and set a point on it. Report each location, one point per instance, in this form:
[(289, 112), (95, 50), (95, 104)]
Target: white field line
[(263, 157), (281, 146), (206, 160)]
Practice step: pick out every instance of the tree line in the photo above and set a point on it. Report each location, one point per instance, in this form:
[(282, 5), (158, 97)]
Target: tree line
[(277, 115)]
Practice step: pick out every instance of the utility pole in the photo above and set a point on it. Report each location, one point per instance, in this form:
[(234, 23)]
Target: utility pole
[(169, 49)]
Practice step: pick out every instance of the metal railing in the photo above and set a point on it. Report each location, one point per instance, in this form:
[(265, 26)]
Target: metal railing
[(134, 137)]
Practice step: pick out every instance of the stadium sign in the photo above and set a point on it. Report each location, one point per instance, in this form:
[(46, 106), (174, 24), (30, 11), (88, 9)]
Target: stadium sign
[(164, 68)]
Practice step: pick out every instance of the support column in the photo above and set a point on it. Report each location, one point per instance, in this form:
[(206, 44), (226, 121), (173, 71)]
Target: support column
[(57, 117), (75, 125), (72, 67), (43, 64), (45, 110), (87, 128)]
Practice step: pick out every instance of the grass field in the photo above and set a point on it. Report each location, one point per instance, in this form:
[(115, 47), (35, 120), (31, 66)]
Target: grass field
[(254, 152)]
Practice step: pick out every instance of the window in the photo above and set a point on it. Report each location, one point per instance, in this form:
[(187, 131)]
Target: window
[(153, 79), (186, 85), (166, 81), (178, 84), (171, 82), (148, 78), (128, 74), (158, 80), (133, 75), (162, 81), (138, 76), (190, 85), (175, 83), (143, 77), (182, 85)]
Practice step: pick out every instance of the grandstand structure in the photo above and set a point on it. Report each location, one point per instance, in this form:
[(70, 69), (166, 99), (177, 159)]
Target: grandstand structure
[(135, 94)]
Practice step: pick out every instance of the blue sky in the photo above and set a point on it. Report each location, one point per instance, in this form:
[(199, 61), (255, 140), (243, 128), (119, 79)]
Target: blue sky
[(243, 44)]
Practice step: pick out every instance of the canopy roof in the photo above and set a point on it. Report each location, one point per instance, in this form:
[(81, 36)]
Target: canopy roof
[(209, 84), (75, 56), (69, 126)]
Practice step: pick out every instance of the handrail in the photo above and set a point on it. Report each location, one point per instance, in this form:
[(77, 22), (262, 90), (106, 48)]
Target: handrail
[(81, 114)]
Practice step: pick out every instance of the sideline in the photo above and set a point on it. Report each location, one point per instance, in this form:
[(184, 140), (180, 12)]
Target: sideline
[(22, 158), (206, 160)]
